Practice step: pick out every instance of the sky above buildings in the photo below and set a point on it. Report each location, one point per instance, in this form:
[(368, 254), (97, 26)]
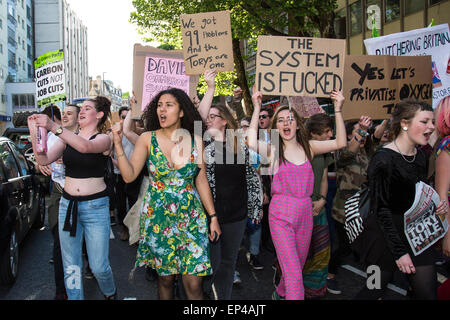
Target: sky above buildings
[(110, 39)]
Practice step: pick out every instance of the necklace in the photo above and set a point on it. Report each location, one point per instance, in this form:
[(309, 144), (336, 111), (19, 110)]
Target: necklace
[(414, 158)]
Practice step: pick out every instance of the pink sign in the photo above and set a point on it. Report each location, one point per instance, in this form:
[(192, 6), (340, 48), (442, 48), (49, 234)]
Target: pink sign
[(162, 73), (305, 106)]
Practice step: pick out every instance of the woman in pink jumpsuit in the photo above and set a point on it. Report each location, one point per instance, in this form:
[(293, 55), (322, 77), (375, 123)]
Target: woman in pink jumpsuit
[(290, 212)]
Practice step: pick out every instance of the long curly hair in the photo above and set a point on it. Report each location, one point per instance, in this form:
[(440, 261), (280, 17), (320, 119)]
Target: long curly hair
[(191, 114)]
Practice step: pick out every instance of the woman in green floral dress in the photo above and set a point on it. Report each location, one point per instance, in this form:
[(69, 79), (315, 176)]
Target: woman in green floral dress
[(173, 226)]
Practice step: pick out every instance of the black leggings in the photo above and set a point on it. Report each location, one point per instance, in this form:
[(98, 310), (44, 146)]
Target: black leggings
[(423, 284)]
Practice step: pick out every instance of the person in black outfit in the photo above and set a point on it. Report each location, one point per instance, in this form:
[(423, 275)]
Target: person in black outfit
[(392, 174)]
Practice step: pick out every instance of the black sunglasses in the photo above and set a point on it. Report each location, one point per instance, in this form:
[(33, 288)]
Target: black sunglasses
[(264, 116)]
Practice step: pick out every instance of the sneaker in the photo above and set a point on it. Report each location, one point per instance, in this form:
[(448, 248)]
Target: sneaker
[(111, 297), (88, 274), (333, 287), (254, 262), (276, 296), (237, 278)]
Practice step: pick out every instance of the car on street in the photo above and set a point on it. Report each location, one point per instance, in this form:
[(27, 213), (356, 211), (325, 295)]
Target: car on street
[(22, 206)]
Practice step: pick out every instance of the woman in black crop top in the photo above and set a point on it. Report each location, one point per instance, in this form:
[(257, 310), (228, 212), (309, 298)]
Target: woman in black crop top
[(393, 172), (84, 206)]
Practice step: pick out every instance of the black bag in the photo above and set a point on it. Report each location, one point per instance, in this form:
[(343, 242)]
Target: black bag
[(357, 209)]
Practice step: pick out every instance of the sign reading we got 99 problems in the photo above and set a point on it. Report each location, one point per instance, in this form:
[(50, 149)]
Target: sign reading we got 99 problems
[(207, 42)]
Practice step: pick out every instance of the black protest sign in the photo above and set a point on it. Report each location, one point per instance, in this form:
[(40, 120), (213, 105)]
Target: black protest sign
[(207, 42), (293, 66), (374, 84)]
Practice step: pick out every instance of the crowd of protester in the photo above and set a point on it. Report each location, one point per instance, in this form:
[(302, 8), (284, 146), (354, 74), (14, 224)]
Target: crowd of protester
[(188, 198)]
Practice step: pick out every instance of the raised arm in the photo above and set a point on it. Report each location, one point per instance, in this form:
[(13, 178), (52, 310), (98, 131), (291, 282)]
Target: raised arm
[(319, 147), (128, 129), (205, 104), (100, 144), (130, 168)]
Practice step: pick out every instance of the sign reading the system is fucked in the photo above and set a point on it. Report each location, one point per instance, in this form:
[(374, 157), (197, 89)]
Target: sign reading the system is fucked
[(293, 66)]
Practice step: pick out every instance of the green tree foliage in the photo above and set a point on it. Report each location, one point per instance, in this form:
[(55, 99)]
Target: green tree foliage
[(159, 21)]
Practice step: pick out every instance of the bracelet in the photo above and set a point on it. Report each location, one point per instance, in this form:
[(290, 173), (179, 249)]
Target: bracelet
[(120, 155), (322, 197), (213, 215), (363, 133)]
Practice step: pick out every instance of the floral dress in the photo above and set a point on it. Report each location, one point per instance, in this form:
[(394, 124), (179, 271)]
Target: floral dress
[(173, 227)]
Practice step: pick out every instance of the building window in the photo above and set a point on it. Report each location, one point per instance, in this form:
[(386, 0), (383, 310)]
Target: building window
[(1, 47), (412, 6), (1, 24), (392, 10), (356, 18), (340, 24)]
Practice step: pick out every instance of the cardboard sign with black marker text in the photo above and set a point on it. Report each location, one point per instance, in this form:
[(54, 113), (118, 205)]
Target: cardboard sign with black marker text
[(155, 70), (207, 42), (294, 66), (374, 84)]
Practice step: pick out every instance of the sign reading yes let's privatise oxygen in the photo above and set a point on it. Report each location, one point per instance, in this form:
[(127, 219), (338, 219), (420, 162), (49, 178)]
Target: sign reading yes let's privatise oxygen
[(374, 84), (293, 66), (50, 78), (433, 41), (207, 42)]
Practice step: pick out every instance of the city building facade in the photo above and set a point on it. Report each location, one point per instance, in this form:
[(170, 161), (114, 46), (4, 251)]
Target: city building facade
[(354, 18), (99, 86)]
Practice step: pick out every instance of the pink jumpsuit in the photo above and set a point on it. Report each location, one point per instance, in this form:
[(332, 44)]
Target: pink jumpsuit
[(291, 224)]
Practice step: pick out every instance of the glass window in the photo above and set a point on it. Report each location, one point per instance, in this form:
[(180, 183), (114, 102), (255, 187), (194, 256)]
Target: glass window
[(24, 169), (12, 171), (356, 18), (373, 10), (15, 100), (412, 6), (392, 10), (340, 24)]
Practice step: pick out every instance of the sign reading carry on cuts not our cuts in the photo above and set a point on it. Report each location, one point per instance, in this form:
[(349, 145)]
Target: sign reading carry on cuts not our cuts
[(374, 84), (50, 78), (433, 41), (293, 66), (207, 42)]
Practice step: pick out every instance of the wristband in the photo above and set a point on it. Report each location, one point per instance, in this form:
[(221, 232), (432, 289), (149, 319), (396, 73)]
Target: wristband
[(120, 155), (213, 215), (322, 197)]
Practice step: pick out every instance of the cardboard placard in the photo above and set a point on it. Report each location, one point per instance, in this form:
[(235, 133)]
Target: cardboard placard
[(115, 117), (294, 66), (374, 84), (305, 106), (50, 78), (155, 70), (207, 42), (433, 41)]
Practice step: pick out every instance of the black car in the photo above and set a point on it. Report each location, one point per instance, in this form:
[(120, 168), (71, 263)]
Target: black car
[(21, 137), (22, 206)]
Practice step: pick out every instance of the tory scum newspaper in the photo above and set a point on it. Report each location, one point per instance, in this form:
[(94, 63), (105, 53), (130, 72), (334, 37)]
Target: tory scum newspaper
[(423, 227)]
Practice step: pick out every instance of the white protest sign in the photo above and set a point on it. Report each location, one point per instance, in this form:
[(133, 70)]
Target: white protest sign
[(433, 41), (50, 78)]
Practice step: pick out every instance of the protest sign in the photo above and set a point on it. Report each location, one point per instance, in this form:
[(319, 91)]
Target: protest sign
[(374, 84), (155, 70), (305, 106), (207, 42), (433, 41), (292, 66), (50, 78), (423, 227)]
